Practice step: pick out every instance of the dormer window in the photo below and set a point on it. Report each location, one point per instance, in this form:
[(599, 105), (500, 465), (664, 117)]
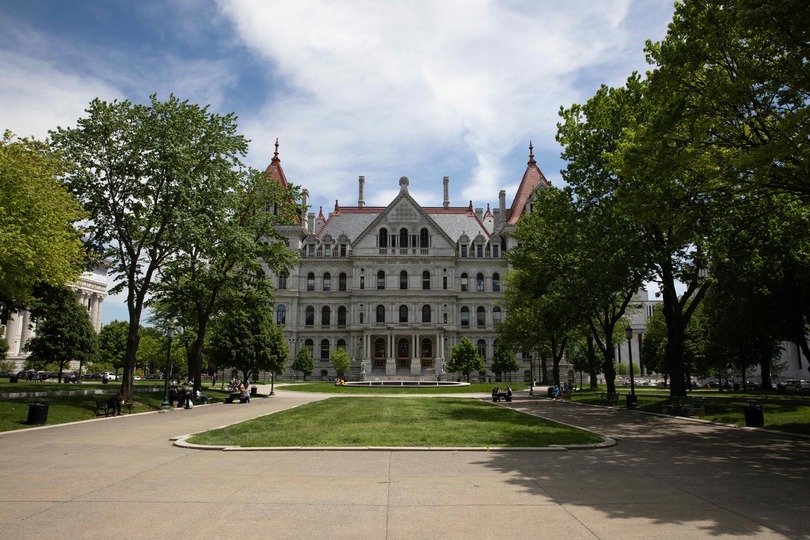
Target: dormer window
[(464, 250), (383, 238)]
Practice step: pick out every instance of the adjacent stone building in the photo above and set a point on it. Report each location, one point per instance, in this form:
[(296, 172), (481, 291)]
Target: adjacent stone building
[(398, 286)]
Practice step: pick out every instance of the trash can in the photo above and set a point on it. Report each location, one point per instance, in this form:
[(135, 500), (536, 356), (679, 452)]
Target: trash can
[(632, 401), (38, 412), (254, 391), (753, 414), (13, 378)]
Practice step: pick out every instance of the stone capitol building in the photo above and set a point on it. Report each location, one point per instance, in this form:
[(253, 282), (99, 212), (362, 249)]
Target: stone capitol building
[(397, 286)]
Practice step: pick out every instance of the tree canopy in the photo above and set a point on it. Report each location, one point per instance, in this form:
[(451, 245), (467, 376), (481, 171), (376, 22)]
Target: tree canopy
[(38, 241), (145, 174)]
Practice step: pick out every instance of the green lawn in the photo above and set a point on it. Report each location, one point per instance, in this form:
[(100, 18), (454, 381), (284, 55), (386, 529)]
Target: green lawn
[(784, 414), (327, 387), (438, 422)]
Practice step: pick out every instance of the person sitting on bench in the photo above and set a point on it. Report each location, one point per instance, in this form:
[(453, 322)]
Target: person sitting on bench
[(114, 403)]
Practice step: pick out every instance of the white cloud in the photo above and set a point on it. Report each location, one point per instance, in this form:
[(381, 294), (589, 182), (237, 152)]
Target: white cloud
[(406, 85), (38, 96)]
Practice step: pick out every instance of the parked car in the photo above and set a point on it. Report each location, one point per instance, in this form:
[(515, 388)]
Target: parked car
[(712, 384), (796, 385)]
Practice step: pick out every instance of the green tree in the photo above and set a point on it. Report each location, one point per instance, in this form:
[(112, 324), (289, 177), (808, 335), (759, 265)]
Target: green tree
[(504, 361), (730, 87), (340, 361), (464, 358), (38, 242), (227, 248), (304, 362), (64, 332), (245, 338), (145, 173), (112, 344)]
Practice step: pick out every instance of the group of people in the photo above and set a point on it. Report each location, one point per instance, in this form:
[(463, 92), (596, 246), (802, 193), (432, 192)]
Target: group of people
[(185, 396), (555, 391), (498, 394), (238, 387)]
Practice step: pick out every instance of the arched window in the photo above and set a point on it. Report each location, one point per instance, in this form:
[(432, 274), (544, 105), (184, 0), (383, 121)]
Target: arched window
[(383, 238), (324, 349), (311, 281), (380, 313), (342, 317), (403, 313), (426, 280), (465, 285), (282, 281), (465, 316), (482, 348), (403, 280), (342, 281), (309, 317), (481, 317), (426, 313), (479, 282), (403, 237), (424, 238), (326, 316), (310, 346), (327, 281), (341, 344), (379, 353), (496, 315), (496, 282), (281, 315), (381, 279)]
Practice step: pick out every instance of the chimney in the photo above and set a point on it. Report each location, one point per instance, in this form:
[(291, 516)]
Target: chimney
[(447, 192), (480, 213), (360, 199), (502, 207), (311, 222)]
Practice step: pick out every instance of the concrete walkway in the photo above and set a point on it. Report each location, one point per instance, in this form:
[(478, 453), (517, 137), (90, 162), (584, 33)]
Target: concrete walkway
[(667, 478)]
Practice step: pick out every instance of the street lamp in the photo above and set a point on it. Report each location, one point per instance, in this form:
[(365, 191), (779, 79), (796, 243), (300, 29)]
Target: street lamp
[(166, 405), (272, 382), (531, 375), (632, 400)]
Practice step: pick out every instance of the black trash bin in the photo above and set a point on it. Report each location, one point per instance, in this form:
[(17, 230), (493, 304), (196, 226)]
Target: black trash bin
[(753, 414), (632, 401), (254, 391), (38, 412), (13, 378)]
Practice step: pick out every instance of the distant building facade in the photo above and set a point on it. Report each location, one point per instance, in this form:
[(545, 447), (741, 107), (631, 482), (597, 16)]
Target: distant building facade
[(398, 286), (91, 290)]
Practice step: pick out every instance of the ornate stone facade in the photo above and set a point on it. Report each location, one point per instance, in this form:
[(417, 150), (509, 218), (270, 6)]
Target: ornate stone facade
[(397, 286)]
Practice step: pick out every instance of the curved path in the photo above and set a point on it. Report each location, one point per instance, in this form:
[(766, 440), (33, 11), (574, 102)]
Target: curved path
[(667, 478)]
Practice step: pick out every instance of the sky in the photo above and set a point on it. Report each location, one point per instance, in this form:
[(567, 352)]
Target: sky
[(382, 89)]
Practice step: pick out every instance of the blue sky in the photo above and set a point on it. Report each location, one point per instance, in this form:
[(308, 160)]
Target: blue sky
[(382, 89)]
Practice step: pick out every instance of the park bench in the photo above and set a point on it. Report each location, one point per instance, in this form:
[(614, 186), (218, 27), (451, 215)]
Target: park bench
[(685, 406), (237, 395), (610, 398), (103, 406), (501, 396)]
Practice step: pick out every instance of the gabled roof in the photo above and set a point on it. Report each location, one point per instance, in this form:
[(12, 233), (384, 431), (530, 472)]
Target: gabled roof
[(532, 178), (274, 171)]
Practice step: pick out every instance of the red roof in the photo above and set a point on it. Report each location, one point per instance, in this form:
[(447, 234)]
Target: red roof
[(274, 171), (532, 178)]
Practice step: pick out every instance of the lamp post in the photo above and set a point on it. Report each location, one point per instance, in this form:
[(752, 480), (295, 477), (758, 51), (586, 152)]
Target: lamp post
[(272, 382), (531, 375), (632, 400), (166, 405)]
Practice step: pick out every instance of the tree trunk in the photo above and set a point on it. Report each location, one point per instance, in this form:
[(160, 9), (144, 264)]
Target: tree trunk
[(592, 370)]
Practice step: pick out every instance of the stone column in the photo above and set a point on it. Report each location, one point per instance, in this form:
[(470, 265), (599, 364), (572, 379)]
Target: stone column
[(416, 364), (25, 328), (12, 334), (391, 361)]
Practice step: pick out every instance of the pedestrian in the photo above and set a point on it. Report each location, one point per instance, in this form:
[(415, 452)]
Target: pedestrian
[(214, 379)]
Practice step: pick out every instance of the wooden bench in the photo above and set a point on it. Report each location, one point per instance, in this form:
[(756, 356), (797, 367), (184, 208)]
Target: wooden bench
[(237, 395), (611, 398), (685, 406), (103, 406)]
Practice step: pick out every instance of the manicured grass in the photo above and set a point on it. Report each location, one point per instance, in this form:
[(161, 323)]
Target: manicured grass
[(726, 407), (330, 388), (65, 409), (361, 422)]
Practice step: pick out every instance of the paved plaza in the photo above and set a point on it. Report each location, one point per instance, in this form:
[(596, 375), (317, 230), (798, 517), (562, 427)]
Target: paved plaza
[(665, 478)]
